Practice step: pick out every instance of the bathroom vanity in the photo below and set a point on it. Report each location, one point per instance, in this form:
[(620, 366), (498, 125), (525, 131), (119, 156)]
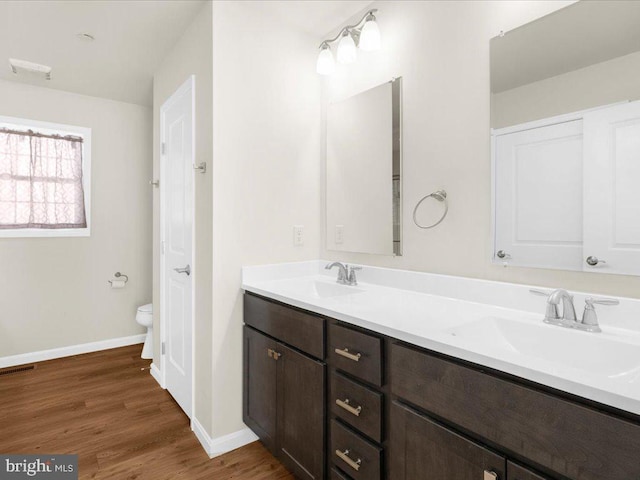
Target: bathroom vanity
[(333, 394)]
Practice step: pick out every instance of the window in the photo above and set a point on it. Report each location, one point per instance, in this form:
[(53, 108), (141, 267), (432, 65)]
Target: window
[(44, 179)]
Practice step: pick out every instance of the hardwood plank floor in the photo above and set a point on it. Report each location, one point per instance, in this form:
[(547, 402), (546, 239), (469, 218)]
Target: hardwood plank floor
[(106, 407)]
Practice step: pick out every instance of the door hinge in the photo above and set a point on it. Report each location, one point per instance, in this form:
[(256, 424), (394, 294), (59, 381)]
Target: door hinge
[(163, 349), (163, 147)]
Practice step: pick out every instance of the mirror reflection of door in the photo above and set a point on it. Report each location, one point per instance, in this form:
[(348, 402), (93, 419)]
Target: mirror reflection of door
[(564, 96)]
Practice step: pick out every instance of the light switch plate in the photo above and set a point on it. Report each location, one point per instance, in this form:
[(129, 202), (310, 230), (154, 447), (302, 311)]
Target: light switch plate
[(339, 235), (298, 235)]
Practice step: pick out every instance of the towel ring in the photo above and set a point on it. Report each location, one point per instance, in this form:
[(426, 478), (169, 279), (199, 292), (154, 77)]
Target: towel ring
[(440, 196)]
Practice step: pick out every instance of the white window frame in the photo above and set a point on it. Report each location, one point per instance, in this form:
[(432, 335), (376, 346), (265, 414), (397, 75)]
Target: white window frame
[(56, 128)]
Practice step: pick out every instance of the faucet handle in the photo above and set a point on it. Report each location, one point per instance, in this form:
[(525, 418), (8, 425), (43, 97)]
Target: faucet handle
[(590, 301), (590, 317), (543, 293), (351, 278), (553, 313)]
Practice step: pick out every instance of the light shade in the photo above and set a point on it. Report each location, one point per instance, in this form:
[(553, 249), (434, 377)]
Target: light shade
[(370, 35), (347, 49), (325, 64)]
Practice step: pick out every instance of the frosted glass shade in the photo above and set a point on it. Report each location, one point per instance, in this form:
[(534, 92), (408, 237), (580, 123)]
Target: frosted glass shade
[(325, 64), (347, 49), (370, 36)]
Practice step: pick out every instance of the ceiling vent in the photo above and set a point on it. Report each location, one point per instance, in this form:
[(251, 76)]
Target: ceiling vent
[(23, 66)]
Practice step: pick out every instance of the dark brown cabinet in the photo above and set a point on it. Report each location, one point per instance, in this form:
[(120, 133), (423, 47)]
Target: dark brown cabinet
[(260, 386), (284, 397), (335, 401), (300, 427), (518, 472), (421, 448)]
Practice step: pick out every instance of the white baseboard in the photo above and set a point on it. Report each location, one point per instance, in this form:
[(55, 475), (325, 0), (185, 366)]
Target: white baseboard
[(43, 355), (221, 445), (157, 374)]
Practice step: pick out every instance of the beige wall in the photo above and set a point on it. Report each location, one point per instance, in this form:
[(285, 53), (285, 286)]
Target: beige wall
[(266, 172), (192, 55), (54, 291), (441, 49), (600, 84)]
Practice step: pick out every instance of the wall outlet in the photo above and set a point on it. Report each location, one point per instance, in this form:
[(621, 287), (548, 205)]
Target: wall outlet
[(298, 235), (339, 234)]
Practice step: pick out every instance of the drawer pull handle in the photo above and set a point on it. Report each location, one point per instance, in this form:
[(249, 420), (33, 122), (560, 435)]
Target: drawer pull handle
[(344, 456), (346, 354), (490, 475), (345, 405)]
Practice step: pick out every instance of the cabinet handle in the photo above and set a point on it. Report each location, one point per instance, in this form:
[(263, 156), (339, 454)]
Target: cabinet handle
[(344, 456), (273, 354), (345, 405), (488, 475), (346, 354)]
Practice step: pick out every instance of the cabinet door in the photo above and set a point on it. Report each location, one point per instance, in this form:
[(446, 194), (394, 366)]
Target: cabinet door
[(517, 472), (301, 413), (420, 448), (538, 196), (260, 386), (611, 193)]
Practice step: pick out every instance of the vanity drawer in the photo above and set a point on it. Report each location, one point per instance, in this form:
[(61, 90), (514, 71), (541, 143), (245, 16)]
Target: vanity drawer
[(336, 474), (356, 405), (353, 454), (559, 435), (298, 329), (356, 353)]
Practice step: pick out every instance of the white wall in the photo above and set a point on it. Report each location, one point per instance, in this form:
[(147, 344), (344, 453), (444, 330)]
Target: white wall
[(441, 49), (54, 291), (266, 170), (604, 83), (192, 55)]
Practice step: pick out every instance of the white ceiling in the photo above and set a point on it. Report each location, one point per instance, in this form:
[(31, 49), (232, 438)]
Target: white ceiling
[(131, 39), (577, 36)]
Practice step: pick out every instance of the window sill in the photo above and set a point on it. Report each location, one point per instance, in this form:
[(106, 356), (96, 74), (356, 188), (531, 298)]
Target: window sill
[(45, 233)]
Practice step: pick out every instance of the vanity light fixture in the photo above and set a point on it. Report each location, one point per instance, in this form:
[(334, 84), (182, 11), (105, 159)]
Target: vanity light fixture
[(365, 35), (326, 65)]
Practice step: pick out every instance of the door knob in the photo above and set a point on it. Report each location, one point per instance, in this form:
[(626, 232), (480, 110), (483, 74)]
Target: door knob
[(186, 270), (502, 254), (593, 261)]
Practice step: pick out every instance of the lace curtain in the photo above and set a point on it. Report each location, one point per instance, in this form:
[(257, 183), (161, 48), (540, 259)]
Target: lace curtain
[(40, 181)]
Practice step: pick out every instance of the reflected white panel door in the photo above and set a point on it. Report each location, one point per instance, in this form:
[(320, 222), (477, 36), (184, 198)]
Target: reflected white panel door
[(177, 136), (612, 189), (538, 196)]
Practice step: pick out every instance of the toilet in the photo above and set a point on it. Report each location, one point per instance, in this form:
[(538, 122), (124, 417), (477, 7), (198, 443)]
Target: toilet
[(144, 317)]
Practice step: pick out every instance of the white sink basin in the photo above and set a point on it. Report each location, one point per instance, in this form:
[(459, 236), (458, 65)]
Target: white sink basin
[(318, 289), (592, 352)]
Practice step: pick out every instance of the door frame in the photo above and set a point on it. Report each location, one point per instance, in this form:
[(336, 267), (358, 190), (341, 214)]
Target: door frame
[(179, 92)]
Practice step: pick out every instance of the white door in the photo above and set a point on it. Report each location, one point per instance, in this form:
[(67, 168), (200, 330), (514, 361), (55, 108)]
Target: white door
[(612, 190), (538, 196), (176, 183)]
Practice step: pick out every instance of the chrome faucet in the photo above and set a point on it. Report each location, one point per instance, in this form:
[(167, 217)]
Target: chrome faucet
[(589, 321), (342, 272), (346, 274)]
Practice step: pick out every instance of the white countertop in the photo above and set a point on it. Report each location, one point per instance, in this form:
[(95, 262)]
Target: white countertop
[(498, 325)]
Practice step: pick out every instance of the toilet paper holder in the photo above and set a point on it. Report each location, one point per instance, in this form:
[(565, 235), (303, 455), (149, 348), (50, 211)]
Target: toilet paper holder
[(119, 275)]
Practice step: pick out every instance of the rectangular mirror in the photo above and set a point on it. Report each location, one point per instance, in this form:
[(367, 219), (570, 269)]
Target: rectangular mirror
[(364, 167), (565, 118)]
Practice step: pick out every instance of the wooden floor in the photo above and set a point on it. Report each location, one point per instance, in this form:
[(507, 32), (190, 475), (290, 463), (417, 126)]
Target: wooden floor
[(107, 408)]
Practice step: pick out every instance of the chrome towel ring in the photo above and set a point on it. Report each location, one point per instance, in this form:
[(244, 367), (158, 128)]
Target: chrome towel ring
[(440, 196)]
